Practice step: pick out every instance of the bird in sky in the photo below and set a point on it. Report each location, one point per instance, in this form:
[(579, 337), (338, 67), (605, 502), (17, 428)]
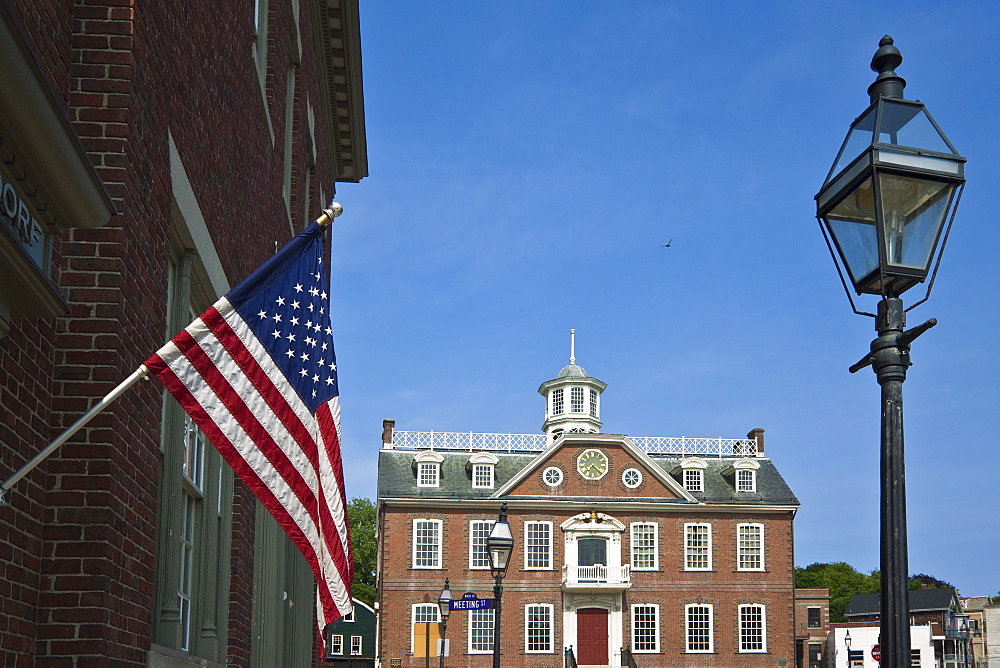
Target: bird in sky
[(667, 245)]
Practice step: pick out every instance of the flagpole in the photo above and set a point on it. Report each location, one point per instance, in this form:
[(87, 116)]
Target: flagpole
[(141, 372), (329, 213)]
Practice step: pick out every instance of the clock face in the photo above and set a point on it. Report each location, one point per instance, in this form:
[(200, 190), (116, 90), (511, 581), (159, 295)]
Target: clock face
[(592, 464)]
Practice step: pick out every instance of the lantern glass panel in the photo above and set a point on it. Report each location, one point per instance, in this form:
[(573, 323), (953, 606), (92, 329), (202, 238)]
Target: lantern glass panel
[(914, 211), (859, 138), (909, 125), (852, 224)]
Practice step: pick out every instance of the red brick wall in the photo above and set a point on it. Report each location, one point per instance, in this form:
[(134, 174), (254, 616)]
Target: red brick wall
[(77, 543), (670, 587)]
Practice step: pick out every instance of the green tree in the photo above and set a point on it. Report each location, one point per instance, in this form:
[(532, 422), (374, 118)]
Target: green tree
[(841, 579), (361, 516)]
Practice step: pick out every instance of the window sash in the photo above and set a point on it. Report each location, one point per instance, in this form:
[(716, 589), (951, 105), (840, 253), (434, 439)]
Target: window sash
[(557, 402), (479, 531), (422, 613), (697, 547), (538, 629), (428, 474), (814, 617), (745, 480), (355, 645), (593, 403), (336, 645), (645, 628), (576, 399), (481, 631), (693, 480), (644, 546), (752, 628), (427, 543), (537, 545), (482, 475), (750, 547), (698, 621)]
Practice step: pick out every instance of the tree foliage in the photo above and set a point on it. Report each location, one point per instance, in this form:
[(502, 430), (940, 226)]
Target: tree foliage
[(361, 515)]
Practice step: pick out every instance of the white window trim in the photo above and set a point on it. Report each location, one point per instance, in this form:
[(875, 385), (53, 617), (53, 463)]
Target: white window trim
[(472, 548), (711, 629), (414, 622), (685, 539), (333, 653), (552, 630), (440, 550), (488, 467), (656, 546), (551, 550), (556, 469), (469, 636), (753, 481), (739, 565), (763, 628), (700, 480), (360, 649), (637, 472), (656, 617), (430, 466)]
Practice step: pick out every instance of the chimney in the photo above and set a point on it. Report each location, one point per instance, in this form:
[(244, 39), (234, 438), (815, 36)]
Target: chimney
[(757, 435), (387, 427)]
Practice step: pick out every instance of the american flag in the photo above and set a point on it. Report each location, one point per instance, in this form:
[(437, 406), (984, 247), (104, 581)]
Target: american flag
[(258, 375)]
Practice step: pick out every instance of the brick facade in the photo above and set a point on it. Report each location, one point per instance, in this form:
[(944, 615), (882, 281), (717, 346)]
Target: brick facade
[(78, 542)]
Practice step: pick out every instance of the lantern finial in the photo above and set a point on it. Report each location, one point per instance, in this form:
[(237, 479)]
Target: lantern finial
[(885, 61)]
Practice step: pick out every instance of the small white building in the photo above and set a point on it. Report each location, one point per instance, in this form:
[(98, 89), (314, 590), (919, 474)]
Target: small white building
[(864, 641)]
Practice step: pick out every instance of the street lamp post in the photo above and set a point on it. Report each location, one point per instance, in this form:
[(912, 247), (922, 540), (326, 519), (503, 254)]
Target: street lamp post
[(444, 607), (499, 545), (886, 209), (847, 642)]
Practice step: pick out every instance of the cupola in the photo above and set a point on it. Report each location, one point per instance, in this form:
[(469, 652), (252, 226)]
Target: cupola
[(572, 399)]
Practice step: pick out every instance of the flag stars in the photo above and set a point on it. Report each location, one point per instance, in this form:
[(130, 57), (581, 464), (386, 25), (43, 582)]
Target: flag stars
[(315, 378), (295, 321), (311, 307), (329, 381), (276, 334), (303, 373), (329, 332), (263, 315), (277, 317), (317, 275), (290, 337), (290, 354), (296, 304), (280, 301), (298, 287), (323, 294)]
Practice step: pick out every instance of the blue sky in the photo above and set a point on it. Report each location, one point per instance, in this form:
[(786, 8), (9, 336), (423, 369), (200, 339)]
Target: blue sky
[(527, 161)]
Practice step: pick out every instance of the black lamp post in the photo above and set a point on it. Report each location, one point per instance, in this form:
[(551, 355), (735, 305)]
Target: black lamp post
[(847, 642), (886, 209), (499, 545), (444, 607)]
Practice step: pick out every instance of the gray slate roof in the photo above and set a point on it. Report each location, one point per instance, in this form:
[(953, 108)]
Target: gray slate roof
[(921, 600)]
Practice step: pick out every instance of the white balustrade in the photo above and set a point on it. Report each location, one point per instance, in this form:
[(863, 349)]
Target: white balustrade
[(598, 574)]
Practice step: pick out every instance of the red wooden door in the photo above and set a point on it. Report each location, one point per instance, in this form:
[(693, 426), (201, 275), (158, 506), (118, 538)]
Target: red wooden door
[(592, 636)]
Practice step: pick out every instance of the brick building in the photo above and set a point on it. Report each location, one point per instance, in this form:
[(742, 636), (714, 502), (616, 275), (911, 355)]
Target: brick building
[(153, 155), (812, 625), (675, 551)]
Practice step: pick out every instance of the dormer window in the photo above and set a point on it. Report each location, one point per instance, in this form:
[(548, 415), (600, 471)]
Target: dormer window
[(746, 480), (482, 467), (694, 480), (428, 466)]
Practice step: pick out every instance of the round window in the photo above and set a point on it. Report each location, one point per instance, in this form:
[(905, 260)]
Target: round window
[(552, 476), (632, 478)]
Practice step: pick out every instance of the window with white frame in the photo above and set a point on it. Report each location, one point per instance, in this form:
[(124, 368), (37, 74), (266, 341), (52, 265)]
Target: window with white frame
[(428, 474), (422, 615), (538, 628), (538, 545), (752, 629), (698, 625), (557, 402), (427, 543), (576, 399), (593, 403), (697, 547), (553, 476), (185, 580), (355, 645), (479, 531), (349, 617), (645, 628), (336, 647), (481, 631), (750, 547), (631, 478), (746, 480), (482, 475), (693, 480), (644, 547)]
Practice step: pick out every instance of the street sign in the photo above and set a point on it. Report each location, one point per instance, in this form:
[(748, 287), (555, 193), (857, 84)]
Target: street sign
[(469, 596), (877, 653), (471, 604)]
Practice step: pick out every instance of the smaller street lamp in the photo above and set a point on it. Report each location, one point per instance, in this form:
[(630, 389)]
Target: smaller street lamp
[(444, 606), (499, 545), (847, 641)]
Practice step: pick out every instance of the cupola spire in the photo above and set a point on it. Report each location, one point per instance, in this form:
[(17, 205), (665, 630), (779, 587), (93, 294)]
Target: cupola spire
[(572, 399), (572, 346)]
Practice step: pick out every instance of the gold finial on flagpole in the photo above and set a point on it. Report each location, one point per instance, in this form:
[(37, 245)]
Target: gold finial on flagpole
[(329, 213)]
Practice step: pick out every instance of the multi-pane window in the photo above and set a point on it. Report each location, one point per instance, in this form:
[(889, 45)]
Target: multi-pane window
[(914, 657), (552, 476), (631, 478), (750, 547), (698, 625), (644, 546), (537, 545), (576, 399), (814, 618), (557, 402), (355, 645), (697, 547), (427, 543), (538, 628), (424, 629), (185, 582), (746, 480), (479, 531), (693, 480), (194, 454), (480, 631), (428, 474), (752, 638), (593, 403), (856, 658), (482, 475), (336, 645), (645, 628)]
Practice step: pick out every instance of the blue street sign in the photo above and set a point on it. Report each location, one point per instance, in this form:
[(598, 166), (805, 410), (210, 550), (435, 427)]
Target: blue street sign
[(472, 604), (469, 596)]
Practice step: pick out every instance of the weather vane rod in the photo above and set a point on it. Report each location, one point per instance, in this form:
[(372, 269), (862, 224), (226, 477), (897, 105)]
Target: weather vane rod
[(572, 346)]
